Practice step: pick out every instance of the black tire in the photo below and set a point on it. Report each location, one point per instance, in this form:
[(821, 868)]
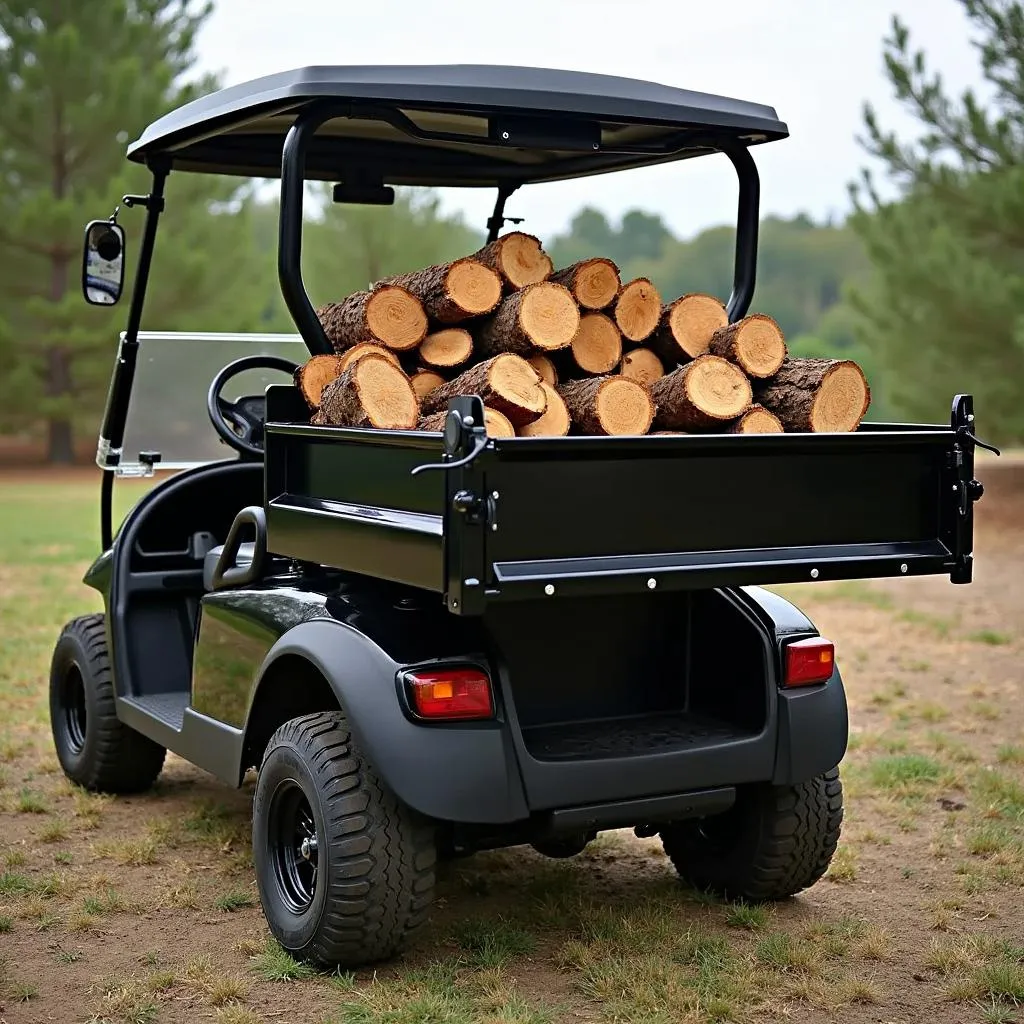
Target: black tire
[(775, 841), (94, 748), (367, 884)]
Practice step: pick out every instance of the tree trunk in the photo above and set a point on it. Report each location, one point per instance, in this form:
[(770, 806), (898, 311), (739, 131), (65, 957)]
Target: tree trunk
[(705, 394), (637, 310), (686, 327), (388, 315), (373, 392), (453, 292), (555, 422), (596, 349), (506, 383), (518, 257), (820, 395), (314, 375), (60, 441), (755, 344), (539, 318), (593, 283), (642, 365), (757, 420), (446, 349), (495, 423), (608, 405)]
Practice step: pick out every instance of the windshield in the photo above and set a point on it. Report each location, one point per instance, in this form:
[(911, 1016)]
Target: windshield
[(167, 411)]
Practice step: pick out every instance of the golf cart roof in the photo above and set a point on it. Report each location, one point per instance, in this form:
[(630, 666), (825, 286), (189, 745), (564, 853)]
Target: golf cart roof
[(455, 125)]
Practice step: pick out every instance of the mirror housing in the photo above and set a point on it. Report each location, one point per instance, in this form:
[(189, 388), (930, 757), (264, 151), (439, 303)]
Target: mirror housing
[(103, 263)]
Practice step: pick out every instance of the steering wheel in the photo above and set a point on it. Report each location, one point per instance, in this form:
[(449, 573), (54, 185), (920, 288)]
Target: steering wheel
[(240, 423)]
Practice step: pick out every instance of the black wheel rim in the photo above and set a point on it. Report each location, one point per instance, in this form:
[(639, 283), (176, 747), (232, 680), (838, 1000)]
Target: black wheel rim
[(293, 845), (75, 715)]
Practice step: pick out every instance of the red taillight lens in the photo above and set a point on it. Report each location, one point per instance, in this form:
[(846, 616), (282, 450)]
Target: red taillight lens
[(809, 661), (453, 694)]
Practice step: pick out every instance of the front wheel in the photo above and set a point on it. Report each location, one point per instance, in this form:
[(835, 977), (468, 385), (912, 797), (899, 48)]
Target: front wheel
[(773, 842), (345, 871)]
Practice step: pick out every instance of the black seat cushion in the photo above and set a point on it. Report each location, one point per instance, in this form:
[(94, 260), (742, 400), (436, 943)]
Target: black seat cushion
[(244, 557)]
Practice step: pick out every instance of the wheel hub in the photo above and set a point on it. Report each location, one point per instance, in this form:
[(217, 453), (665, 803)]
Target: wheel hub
[(293, 846)]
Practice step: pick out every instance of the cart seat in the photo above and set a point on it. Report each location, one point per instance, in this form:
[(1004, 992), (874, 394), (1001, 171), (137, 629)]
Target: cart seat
[(246, 550)]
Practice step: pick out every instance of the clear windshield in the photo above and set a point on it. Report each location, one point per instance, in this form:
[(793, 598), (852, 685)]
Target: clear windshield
[(167, 411)]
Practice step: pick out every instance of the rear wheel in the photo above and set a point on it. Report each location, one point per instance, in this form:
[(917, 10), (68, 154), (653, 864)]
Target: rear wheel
[(345, 870), (774, 841), (94, 748)]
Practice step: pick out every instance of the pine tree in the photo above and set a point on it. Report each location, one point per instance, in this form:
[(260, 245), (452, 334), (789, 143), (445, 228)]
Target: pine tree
[(945, 309), (79, 79)]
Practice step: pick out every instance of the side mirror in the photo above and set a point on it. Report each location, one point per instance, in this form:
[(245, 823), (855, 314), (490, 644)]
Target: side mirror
[(103, 263)]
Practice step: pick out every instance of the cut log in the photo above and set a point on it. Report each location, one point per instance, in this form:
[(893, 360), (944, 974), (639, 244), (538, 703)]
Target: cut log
[(424, 381), (757, 420), (594, 283), (637, 309), (686, 327), (546, 368), (642, 365), (373, 392), (705, 394), (820, 395), (314, 375), (608, 405), (597, 347), (507, 383), (519, 259), (755, 344), (389, 315), (366, 348), (540, 317), (446, 349), (495, 423), (453, 292), (555, 422)]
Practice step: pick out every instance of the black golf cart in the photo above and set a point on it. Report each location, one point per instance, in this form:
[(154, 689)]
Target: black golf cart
[(434, 643)]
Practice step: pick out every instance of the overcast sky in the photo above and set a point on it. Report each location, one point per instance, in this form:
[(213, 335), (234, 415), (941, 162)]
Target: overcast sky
[(815, 61)]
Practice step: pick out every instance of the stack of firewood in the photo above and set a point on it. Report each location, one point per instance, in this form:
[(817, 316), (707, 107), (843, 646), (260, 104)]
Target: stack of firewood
[(572, 351)]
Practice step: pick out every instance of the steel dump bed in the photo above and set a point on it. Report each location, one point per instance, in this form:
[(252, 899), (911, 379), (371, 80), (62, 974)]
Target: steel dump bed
[(530, 518)]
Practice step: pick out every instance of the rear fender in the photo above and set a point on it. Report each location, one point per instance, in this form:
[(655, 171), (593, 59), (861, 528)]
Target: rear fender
[(464, 772)]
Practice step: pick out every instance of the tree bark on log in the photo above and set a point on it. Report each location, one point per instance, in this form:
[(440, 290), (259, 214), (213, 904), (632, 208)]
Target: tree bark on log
[(388, 315), (637, 309), (608, 406), (541, 317), (686, 327), (704, 395), (555, 422), (642, 365), (453, 292), (817, 395), (518, 258), (506, 382), (370, 393), (594, 283), (755, 344)]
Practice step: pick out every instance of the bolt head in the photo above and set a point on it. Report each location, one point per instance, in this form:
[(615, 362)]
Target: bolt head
[(652, 583), (495, 495), (504, 135), (814, 574), (549, 589)]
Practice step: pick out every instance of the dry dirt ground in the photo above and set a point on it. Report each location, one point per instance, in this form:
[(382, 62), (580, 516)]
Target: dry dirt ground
[(144, 909)]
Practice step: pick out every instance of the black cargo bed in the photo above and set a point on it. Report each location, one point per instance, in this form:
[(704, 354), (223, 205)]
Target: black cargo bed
[(535, 518)]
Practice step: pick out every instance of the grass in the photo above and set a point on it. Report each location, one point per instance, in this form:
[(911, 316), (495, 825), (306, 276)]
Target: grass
[(31, 803), (990, 637), (234, 900), (273, 963), (492, 944)]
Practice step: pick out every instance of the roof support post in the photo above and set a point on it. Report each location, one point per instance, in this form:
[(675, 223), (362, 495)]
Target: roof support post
[(747, 217)]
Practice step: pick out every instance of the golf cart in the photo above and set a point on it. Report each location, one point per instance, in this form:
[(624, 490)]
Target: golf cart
[(432, 643)]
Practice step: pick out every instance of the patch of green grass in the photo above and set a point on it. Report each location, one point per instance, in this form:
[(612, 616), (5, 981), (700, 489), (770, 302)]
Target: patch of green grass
[(781, 951), (990, 637), (53, 832), (15, 858), (939, 626), (6, 923), (275, 964), (64, 857), (491, 944), (67, 956), (904, 771), (31, 803), (1000, 793), (133, 852), (998, 1012), (1010, 753), (12, 884), (97, 906), (234, 900), (746, 915)]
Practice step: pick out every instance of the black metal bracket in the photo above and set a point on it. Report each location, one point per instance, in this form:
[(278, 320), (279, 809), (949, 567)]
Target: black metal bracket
[(497, 219), (966, 487), (470, 512), (150, 202)]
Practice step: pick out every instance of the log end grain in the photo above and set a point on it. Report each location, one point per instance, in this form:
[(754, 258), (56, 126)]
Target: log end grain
[(505, 382), (472, 287), (546, 368), (446, 348), (819, 395), (757, 420), (425, 381), (549, 316), (688, 324), (315, 374), (367, 348), (594, 283), (638, 309), (755, 344), (555, 422), (396, 317), (372, 392), (521, 259), (608, 406), (705, 394), (497, 424), (642, 365), (597, 345)]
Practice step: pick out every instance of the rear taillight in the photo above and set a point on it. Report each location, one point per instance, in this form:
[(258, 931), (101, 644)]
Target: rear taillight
[(453, 694), (809, 661)]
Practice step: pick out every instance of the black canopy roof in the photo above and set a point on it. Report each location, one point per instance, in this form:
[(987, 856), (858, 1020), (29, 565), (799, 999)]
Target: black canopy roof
[(452, 125)]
